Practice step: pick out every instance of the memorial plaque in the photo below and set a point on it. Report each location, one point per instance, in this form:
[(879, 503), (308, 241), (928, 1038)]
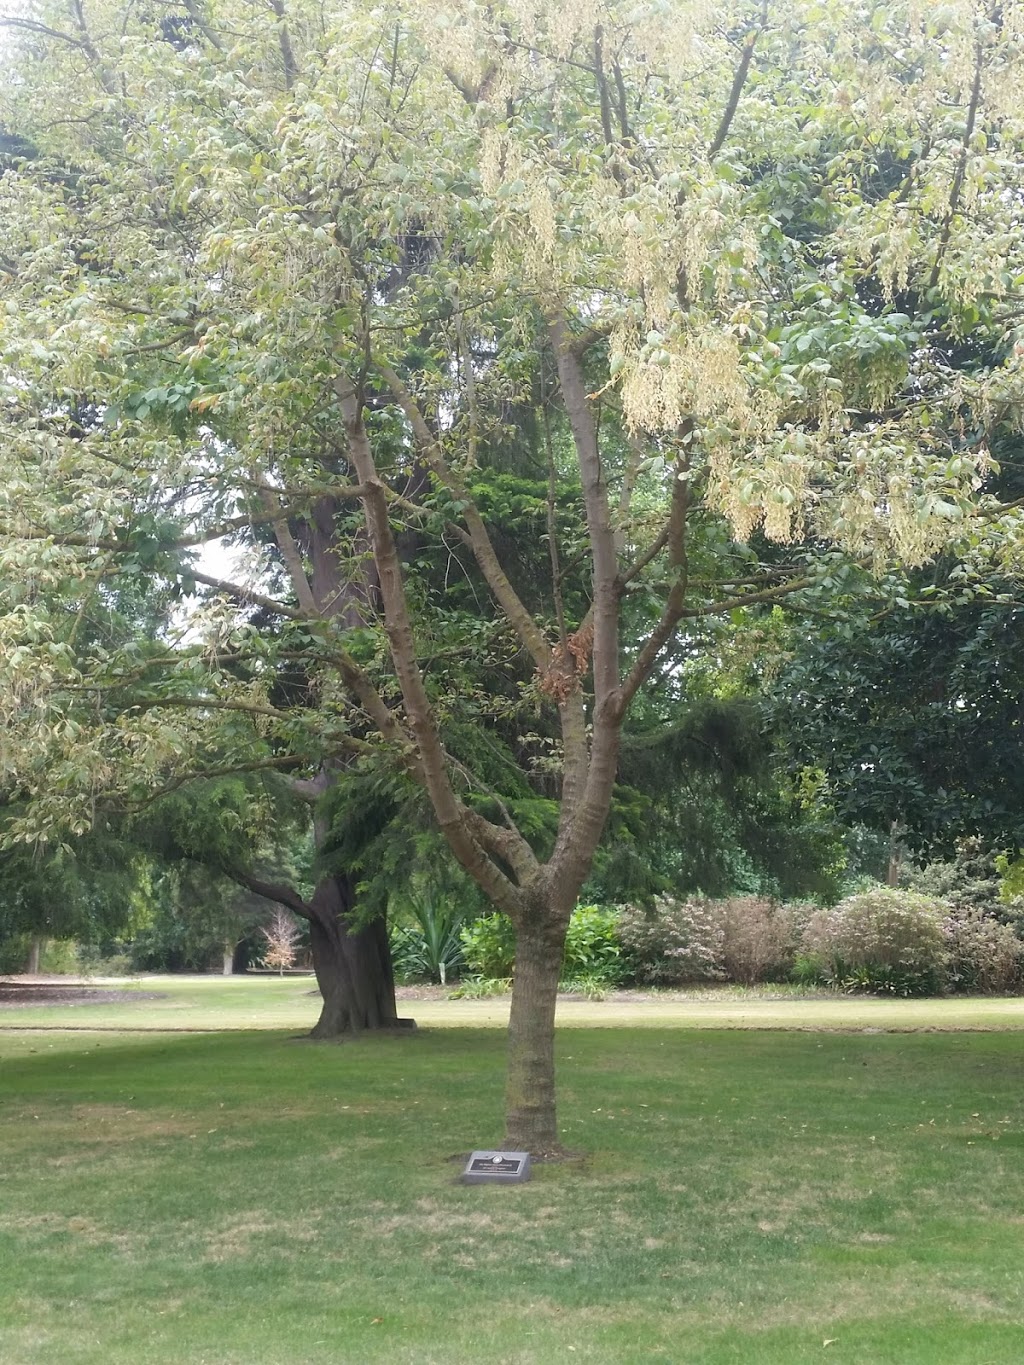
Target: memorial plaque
[(496, 1168)]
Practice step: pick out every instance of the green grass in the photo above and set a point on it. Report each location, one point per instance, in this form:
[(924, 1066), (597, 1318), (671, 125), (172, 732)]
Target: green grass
[(214, 1002), (745, 1196)]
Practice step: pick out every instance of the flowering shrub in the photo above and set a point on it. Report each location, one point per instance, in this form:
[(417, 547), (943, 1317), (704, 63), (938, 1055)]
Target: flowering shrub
[(757, 938), (676, 941), (881, 940), (985, 956)]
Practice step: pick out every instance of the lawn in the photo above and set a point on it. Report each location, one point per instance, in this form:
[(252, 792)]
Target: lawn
[(745, 1195), (198, 1003)]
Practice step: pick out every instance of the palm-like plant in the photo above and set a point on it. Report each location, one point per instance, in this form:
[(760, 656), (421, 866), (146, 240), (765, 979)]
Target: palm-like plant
[(430, 947)]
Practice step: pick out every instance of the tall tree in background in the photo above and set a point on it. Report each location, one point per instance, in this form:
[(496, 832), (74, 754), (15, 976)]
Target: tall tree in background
[(914, 714), (309, 264)]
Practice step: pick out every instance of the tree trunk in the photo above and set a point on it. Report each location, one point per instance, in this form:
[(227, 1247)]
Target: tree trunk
[(892, 872), (530, 1121), (353, 966), (228, 959), (35, 953)]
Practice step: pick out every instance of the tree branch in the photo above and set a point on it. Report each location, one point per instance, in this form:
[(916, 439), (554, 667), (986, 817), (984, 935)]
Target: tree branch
[(291, 69), (556, 572), (308, 789), (603, 93), (748, 599), (675, 540), (195, 14), (486, 557), (353, 675), (284, 762), (33, 26), (191, 542), (738, 81), (599, 521), (452, 815), (651, 553), (271, 891), (208, 704), (289, 552), (254, 599), (103, 76), (961, 167), (585, 811)]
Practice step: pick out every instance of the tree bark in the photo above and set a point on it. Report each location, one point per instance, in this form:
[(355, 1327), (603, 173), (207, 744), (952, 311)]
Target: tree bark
[(35, 953), (228, 961), (530, 1119), (352, 966), (895, 864)]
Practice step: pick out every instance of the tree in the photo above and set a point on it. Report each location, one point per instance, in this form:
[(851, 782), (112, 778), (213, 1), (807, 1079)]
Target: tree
[(913, 715), (90, 890), (209, 840), (281, 935), (307, 264), (707, 799)]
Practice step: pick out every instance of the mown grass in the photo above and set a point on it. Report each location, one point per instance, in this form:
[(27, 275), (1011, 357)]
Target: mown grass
[(745, 1197), (250, 1002)]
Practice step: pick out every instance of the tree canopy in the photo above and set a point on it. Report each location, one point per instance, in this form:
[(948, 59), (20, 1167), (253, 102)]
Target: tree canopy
[(743, 279), (915, 717)]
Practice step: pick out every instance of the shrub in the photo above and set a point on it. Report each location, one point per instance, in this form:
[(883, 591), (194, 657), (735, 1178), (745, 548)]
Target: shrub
[(489, 946), (14, 954), (757, 938), (593, 953), (480, 987), (985, 956), (430, 949), (114, 964), (799, 914), (675, 941), (60, 957), (970, 880), (807, 970), (590, 985), (882, 940), (592, 948), (107, 959), (873, 978)]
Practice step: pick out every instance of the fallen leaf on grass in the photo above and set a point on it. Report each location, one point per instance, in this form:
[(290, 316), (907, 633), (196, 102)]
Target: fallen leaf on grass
[(375, 1322), (830, 1341)]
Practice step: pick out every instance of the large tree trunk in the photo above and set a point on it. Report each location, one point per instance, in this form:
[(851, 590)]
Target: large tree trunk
[(530, 1119), (353, 966)]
